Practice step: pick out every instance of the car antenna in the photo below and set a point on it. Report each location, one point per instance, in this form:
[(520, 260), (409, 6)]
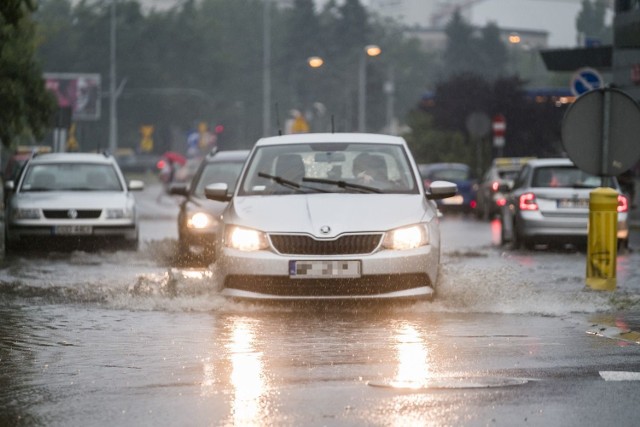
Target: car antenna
[(278, 120)]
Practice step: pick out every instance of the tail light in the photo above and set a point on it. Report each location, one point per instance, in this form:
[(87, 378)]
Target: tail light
[(623, 203), (495, 185), (501, 202), (528, 202)]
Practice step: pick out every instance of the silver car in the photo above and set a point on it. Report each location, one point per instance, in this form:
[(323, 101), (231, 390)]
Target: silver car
[(329, 216), (549, 203), (71, 198)]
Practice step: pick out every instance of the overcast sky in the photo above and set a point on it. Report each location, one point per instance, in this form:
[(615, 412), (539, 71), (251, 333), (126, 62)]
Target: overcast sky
[(558, 17)]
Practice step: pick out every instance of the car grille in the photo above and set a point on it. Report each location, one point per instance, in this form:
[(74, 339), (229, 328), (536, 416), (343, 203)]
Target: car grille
[(296, 244), (67, 214)]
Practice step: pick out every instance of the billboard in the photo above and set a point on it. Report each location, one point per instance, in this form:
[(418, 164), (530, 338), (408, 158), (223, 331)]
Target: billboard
[(79, 91)]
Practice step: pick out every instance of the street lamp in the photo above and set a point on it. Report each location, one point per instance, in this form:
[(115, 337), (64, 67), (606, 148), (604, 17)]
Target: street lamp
[(315, 62), (369, 50)]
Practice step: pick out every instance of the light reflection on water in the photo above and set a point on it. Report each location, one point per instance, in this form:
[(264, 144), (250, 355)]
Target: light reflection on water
[(414, 367)]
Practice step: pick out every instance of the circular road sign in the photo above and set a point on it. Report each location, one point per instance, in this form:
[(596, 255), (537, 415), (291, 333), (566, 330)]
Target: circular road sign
[(584, 80), (594, 149)]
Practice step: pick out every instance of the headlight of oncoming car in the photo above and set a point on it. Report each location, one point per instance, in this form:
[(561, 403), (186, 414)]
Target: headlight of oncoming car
[(409, 237), (26, 214), (245, 239), (200, 220), (118, 213)]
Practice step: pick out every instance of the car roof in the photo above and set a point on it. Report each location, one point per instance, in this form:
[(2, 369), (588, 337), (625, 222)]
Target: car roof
[(443, 165), (228, 155), (73, 158), (344, 137), (559, 161)]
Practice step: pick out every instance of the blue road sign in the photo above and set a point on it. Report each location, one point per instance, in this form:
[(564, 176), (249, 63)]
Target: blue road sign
[(584, 80)]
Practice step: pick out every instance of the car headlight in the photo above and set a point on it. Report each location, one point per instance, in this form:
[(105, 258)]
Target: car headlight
[(26, 214), (245, 239), (118, 213), (200, 220), (410, 237)]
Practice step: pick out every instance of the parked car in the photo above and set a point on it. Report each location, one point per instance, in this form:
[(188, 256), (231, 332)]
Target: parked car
[(460, 174), (199, 218), (500, 174), (71, 198), (549, 203), (329, 216)]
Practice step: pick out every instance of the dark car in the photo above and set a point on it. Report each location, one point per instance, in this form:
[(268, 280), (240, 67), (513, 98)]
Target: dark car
[(500, 174), (198, 218), (460, 174)]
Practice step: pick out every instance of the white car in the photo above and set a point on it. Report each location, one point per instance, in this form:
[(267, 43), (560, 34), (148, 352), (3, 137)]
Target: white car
[(70, 198), (329, 216)]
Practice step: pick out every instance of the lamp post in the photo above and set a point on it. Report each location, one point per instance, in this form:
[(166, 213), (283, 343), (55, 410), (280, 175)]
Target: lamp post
[(113, 118), (369, 50)]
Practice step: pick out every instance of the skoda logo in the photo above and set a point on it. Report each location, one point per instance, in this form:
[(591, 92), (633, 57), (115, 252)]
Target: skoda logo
[(325, 229), (72, 213)]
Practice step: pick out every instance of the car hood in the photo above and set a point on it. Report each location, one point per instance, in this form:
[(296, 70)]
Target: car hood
[(71, 199), (307, 213)]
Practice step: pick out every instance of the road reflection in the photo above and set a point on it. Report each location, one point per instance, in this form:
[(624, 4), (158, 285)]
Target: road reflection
[(414, 367)]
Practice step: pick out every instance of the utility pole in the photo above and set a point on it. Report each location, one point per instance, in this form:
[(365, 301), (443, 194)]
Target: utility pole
[(113, 118)]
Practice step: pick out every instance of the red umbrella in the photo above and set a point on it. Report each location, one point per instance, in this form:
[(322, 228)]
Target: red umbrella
[(174, 157)]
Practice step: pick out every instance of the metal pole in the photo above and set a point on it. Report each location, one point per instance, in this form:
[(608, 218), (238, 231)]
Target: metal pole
[(606, 124), (266, 69), (362, 97), (113, 118)]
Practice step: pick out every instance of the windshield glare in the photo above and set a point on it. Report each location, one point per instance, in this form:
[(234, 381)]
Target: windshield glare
[(383, 167), (71, 177)]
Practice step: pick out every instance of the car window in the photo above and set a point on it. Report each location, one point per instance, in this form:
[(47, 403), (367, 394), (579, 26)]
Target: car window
[(218, 172), (388, 167), (71, 177), (506, 174), (564, 177), (454, 174), (522, 178)]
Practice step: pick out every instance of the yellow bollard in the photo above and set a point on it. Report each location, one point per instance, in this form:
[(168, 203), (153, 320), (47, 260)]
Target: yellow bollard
[(603, 242)]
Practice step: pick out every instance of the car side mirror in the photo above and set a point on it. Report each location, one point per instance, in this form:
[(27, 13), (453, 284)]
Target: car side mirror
[(441, 190), (505, 187), (135, 185), (9, 186), (217, 191), (179, 190)]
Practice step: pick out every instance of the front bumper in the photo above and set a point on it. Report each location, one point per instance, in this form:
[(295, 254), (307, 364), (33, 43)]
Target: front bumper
[(384, 274)]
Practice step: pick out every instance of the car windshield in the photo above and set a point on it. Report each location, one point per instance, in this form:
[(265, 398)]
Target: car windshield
[(508, 174), (329, 167), (453, 174), (564, 177), (71, 177), (215, 172)]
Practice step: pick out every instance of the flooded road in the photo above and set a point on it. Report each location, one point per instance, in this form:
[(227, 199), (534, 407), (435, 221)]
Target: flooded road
[(130, 339)]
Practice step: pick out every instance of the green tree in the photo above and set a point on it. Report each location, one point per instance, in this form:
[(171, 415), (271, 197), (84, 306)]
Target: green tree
[(590, 22), (26, 105)]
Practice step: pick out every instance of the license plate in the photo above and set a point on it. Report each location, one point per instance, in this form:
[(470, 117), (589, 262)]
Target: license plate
[(66, 230), (314, 269), (573, 203)]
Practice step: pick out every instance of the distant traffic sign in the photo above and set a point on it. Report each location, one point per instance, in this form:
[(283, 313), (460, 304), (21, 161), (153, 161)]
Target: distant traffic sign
[(584, 80)]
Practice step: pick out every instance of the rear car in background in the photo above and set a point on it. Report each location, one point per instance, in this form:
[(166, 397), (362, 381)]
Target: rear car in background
[(549, 204), (460, 174), (199, 218), (71, 198), (500, 174)]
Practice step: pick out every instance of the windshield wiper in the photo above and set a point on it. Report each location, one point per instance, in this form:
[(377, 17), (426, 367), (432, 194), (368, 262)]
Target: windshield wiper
[(289, 184), (344, 184)]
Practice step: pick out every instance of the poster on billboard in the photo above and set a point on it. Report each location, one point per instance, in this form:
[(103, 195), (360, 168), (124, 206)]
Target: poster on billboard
[(79, 91)]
